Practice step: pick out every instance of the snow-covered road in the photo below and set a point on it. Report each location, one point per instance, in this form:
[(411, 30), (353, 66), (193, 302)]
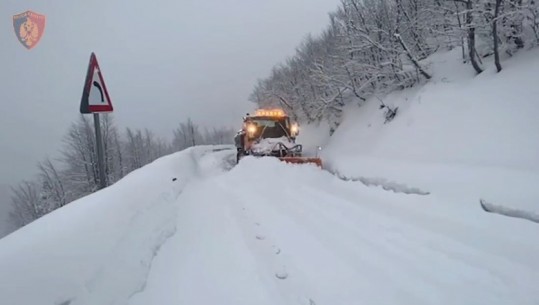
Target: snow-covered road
[(266, 232), (272, 233)]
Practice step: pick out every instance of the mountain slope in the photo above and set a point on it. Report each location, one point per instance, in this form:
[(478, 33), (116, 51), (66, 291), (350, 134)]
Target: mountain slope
[(460, 135)]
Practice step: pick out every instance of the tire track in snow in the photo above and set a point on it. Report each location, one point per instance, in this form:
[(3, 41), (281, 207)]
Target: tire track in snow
[(216, 251), (403, 246), (419, 256), (348, 248), (390, 257), (264, 248), (465, 262)]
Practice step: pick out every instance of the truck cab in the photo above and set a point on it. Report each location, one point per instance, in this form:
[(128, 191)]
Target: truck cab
[(264, 124)]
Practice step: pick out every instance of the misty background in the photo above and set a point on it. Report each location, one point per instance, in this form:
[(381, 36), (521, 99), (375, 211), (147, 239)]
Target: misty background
[(163, 62)]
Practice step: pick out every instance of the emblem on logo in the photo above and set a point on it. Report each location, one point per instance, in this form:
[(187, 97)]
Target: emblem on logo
[(29, 27)]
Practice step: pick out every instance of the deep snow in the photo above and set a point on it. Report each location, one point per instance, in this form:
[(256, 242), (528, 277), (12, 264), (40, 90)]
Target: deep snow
[(265, 232), (398, 223), (460, 136), (99, 249)]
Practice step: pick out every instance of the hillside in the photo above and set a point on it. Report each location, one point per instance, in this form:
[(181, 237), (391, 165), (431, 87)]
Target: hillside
[(460, 135)]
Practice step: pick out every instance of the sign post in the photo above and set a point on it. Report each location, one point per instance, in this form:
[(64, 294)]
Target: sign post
[(95, 99), (100, 154)]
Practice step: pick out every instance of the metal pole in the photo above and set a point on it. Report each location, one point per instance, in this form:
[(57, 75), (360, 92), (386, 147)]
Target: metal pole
[(100, 157)]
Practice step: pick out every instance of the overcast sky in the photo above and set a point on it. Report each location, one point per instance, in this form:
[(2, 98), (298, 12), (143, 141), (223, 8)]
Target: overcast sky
[(163, 61)]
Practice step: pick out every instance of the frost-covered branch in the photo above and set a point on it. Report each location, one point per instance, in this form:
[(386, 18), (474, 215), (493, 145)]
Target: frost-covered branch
[(411, 57)]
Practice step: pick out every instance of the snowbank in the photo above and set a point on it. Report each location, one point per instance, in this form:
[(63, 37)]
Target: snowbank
[(100, 248), (459, 135)]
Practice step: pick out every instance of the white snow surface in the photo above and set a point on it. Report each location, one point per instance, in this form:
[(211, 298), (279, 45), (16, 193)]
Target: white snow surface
[(400, 223), (265, 232), (459, 136)]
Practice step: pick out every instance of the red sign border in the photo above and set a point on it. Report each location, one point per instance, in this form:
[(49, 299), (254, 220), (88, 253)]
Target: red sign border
[(84, 106)]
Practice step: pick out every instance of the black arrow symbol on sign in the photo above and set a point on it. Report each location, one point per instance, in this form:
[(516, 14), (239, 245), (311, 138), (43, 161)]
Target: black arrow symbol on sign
[(100, 90)]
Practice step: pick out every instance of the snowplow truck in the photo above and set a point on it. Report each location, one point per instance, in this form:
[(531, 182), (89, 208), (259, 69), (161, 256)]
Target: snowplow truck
[(270, 133)]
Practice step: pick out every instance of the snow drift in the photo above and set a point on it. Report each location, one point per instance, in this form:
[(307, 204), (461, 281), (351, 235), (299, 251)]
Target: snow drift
[(461, 136), (99, 249)]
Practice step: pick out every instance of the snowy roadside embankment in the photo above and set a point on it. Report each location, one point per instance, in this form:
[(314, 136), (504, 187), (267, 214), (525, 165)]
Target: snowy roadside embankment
[(100, 248), (459, 136)]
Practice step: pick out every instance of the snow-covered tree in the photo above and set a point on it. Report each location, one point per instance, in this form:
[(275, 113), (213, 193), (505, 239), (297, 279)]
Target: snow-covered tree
[(186, 135), (53, 192), (372, 47), (26, 204), (76, 174)]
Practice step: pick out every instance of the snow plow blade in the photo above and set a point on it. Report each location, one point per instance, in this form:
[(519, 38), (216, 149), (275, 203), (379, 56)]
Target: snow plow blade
[(302, 160)]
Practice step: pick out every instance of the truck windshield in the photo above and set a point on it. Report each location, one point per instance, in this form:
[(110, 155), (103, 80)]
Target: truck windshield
[(271, 128)]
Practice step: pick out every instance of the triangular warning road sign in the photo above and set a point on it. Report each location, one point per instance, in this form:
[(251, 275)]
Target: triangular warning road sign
[(95, 97)]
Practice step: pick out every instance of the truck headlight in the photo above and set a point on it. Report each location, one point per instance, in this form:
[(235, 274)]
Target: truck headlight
[(251, 130), (294, 129)]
